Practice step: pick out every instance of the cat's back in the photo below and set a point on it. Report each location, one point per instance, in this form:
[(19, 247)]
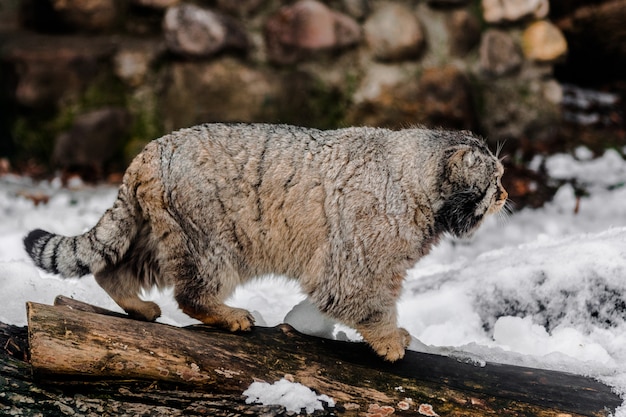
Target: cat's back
[(223, 149), (272, 189), (238, 158)]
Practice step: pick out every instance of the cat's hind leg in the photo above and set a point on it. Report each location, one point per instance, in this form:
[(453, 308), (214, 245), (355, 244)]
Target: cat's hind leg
[(200, 285), (202, 300), (218, 314), (201, 295), (123, 287), (136, 271)]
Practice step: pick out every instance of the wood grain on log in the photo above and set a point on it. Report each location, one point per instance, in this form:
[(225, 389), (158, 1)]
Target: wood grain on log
[(20, 395), (79, 344)]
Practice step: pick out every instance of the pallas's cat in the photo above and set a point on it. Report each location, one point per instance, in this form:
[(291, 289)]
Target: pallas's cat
[(345, 212)]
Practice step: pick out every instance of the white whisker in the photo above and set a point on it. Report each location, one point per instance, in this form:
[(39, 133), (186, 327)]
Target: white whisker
[(503, 218), (509, 207), (499, 147), (504, 214)]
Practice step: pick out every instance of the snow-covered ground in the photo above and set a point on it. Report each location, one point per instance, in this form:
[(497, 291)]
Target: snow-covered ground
[(543, 288)]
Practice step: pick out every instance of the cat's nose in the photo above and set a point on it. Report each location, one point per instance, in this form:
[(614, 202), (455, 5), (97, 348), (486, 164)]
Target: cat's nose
[(503, 194)]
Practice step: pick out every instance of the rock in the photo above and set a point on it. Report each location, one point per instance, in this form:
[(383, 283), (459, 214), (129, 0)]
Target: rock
[(553, 91), (388, 97), (227, 90), (90, 15), (307, 99), (543, 42), (393, 33), (239, 7), (357, 9), (378, 79), (92, 140), (445, 98), (464, 30), (133, 59), (196, 32), (294, 32), (50, 70), (503, 11), (499, 54), (231, 92), (516, 110), (155, 4), (131, 66)]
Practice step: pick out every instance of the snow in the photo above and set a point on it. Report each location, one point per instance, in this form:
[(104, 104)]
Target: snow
[(606, 171), (541, 287), (291, 395)]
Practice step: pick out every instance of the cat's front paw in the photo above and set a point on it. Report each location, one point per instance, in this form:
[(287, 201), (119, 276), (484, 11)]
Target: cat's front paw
[(238, 320), (391, 347)]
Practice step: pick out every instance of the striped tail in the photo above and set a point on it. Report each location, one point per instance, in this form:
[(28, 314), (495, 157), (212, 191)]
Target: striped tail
[(102, 246)]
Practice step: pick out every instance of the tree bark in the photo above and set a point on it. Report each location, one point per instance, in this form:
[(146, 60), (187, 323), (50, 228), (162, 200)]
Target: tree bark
[(153, 365)]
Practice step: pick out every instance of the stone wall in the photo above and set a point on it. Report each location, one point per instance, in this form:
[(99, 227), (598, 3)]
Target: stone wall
[(85, 82)]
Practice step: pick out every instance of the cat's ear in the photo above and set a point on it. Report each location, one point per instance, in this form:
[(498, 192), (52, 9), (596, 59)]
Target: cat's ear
[(462, 156), (469, 159)]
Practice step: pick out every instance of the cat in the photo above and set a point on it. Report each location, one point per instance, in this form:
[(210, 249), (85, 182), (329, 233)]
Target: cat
[(345, 212)]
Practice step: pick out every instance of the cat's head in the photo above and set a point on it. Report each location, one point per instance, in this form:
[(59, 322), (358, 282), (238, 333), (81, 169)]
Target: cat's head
[(470, 188)]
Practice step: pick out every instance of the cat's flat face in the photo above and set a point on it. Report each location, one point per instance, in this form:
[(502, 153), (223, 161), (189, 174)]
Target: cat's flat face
[(471, 189), (499, 194), (484, 173)]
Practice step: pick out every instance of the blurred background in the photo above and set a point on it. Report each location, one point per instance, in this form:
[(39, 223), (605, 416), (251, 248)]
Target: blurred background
[(85, 84)]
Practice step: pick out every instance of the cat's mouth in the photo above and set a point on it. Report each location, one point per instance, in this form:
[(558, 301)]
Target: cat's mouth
[(499, 202)]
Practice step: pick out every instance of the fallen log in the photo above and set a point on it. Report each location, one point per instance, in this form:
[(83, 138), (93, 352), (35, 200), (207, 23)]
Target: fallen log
[(74, 341), (20, 395)]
